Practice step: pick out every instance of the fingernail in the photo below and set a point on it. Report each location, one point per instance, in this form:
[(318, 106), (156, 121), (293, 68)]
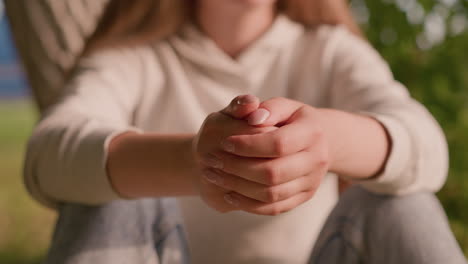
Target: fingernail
[(227, 146), (214, 162), (246, 99), (213, 177), (258, 117), (231, 200)]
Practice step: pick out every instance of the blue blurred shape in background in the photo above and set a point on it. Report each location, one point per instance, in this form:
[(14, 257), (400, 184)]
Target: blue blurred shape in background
[(12, 83)]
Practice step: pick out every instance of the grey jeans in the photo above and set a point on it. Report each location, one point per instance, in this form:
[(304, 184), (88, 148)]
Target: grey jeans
[(363, 228), (367, 228), (147, 231)]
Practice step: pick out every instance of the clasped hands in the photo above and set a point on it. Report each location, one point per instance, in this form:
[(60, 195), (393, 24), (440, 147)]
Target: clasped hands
[(263, 158)]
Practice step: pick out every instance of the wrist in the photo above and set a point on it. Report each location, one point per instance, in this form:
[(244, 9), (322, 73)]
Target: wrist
[(190, 159), (358, 145), (115, 174), (327, 120), (152, 165)]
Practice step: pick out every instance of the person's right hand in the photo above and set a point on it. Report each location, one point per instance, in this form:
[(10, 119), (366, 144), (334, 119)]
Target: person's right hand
[(206, 145)]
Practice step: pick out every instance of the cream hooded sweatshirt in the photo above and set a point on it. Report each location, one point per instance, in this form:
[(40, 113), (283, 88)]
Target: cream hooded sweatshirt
[(171, 86)]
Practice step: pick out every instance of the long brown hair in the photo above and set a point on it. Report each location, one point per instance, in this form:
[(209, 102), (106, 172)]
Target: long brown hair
[(134, 22)]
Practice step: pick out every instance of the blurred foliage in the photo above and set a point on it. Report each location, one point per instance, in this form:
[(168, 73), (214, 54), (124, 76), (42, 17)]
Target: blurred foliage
[(25, 227), (426, 45)]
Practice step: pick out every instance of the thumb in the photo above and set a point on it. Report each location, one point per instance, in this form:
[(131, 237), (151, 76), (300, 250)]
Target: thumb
[(274, 112), (241, 106)]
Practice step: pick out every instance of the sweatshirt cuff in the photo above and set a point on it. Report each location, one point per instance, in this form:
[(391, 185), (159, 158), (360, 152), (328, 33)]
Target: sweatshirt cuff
[(98, 187), (90, 183), (391, 178)]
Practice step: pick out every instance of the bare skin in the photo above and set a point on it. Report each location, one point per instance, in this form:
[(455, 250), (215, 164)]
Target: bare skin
[(235, 24), (238, 159)]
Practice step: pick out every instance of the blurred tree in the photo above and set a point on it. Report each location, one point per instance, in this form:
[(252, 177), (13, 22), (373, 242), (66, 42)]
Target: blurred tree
[(426, 45)]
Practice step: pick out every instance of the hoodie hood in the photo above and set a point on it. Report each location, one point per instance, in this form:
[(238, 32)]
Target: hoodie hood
[(203, 53)]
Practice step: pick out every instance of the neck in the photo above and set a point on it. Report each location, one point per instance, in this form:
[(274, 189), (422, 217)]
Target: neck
[(232, 27)]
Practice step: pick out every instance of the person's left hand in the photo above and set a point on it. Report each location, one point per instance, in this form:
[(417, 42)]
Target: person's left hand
[(274, 172)]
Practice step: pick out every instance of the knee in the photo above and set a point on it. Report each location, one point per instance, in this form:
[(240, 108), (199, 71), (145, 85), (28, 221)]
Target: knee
[(389, 215), (126, 216), (412, 227), (357, 200)]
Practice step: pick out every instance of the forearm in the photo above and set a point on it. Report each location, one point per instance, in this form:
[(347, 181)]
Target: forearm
[(151, 165), (359, 145)]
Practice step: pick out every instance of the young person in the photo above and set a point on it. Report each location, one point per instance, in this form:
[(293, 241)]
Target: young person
[(144, 116)]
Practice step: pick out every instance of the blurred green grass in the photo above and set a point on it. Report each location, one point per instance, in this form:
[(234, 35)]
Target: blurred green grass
[(25, 226)]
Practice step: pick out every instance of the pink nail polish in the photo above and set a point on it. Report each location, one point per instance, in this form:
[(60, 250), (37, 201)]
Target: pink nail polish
[(258, 117), (231, 200)]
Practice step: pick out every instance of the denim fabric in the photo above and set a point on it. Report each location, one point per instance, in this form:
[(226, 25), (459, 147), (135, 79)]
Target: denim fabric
[(147, 231), (368, 228), (363, 228)]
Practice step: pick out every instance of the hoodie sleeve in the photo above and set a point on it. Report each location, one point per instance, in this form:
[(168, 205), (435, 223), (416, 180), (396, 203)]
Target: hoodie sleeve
[(66, 155), (360, 81)]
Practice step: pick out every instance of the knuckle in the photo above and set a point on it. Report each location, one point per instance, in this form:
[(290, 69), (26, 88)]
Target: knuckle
[(323, 160), (212, 116), (272, 175), (275, 210), (286, 210), (280, 145), (241, 142), (312, 192), (272, 195)]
